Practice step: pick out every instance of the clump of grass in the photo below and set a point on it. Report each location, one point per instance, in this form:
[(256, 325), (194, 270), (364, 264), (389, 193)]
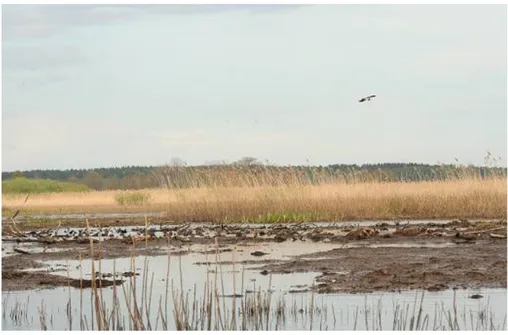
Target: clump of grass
[(132, 198), (18, 313), (22, 185)]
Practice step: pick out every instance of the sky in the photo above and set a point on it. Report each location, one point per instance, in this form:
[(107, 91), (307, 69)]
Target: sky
[(86, 86)]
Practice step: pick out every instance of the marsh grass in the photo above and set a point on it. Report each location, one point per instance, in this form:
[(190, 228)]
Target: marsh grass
[(254, 175), (18, 313), (449, 199), (132, 199)]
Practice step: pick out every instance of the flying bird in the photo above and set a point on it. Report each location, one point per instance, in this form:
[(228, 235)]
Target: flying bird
[(367, 98)]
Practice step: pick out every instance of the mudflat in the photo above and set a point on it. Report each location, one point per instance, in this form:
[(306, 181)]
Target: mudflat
[(385, 256)]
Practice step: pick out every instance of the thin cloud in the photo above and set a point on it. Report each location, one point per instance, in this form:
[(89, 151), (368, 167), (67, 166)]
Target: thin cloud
[(39, 57), (38, 21), (204, 138)]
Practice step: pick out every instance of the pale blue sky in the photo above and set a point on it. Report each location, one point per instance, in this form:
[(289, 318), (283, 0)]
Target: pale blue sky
[(99, 86)]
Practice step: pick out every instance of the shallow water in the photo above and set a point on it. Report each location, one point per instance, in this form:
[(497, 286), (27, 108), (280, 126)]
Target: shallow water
[(191, 272), (330, 312), (198, 262)]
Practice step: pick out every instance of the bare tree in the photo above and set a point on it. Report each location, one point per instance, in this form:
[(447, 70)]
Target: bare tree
[(248, 161), (176, 161)]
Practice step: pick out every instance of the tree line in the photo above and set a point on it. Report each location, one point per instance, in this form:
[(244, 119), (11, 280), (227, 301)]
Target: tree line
[(249, 171)]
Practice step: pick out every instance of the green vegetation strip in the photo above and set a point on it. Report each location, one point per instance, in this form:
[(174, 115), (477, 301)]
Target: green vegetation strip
[(22, 185)]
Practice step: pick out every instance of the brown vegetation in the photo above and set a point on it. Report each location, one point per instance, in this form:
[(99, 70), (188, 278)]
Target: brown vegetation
[(459, 198)]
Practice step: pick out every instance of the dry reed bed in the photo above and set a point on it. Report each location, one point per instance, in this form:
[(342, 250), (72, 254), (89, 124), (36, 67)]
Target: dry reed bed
[(465, 198)]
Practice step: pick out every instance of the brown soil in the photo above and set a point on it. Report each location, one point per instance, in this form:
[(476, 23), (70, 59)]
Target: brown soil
[(476, 255), (20, 280), (368, 269)]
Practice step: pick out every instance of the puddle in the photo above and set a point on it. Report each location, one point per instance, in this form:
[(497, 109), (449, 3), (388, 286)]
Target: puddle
[(282, 250), (199, 261)]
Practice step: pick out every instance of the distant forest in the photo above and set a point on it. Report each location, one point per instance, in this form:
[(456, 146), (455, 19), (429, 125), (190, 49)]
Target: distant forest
[(249, 169)]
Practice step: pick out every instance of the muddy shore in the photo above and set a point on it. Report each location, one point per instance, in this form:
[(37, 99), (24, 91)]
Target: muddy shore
[(386, 256)]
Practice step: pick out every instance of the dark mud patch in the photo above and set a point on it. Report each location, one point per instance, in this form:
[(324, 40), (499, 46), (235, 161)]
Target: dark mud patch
[(19, 262), (21, 280), (14, 278), (218, 251), (258, 253), (367, 269)]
